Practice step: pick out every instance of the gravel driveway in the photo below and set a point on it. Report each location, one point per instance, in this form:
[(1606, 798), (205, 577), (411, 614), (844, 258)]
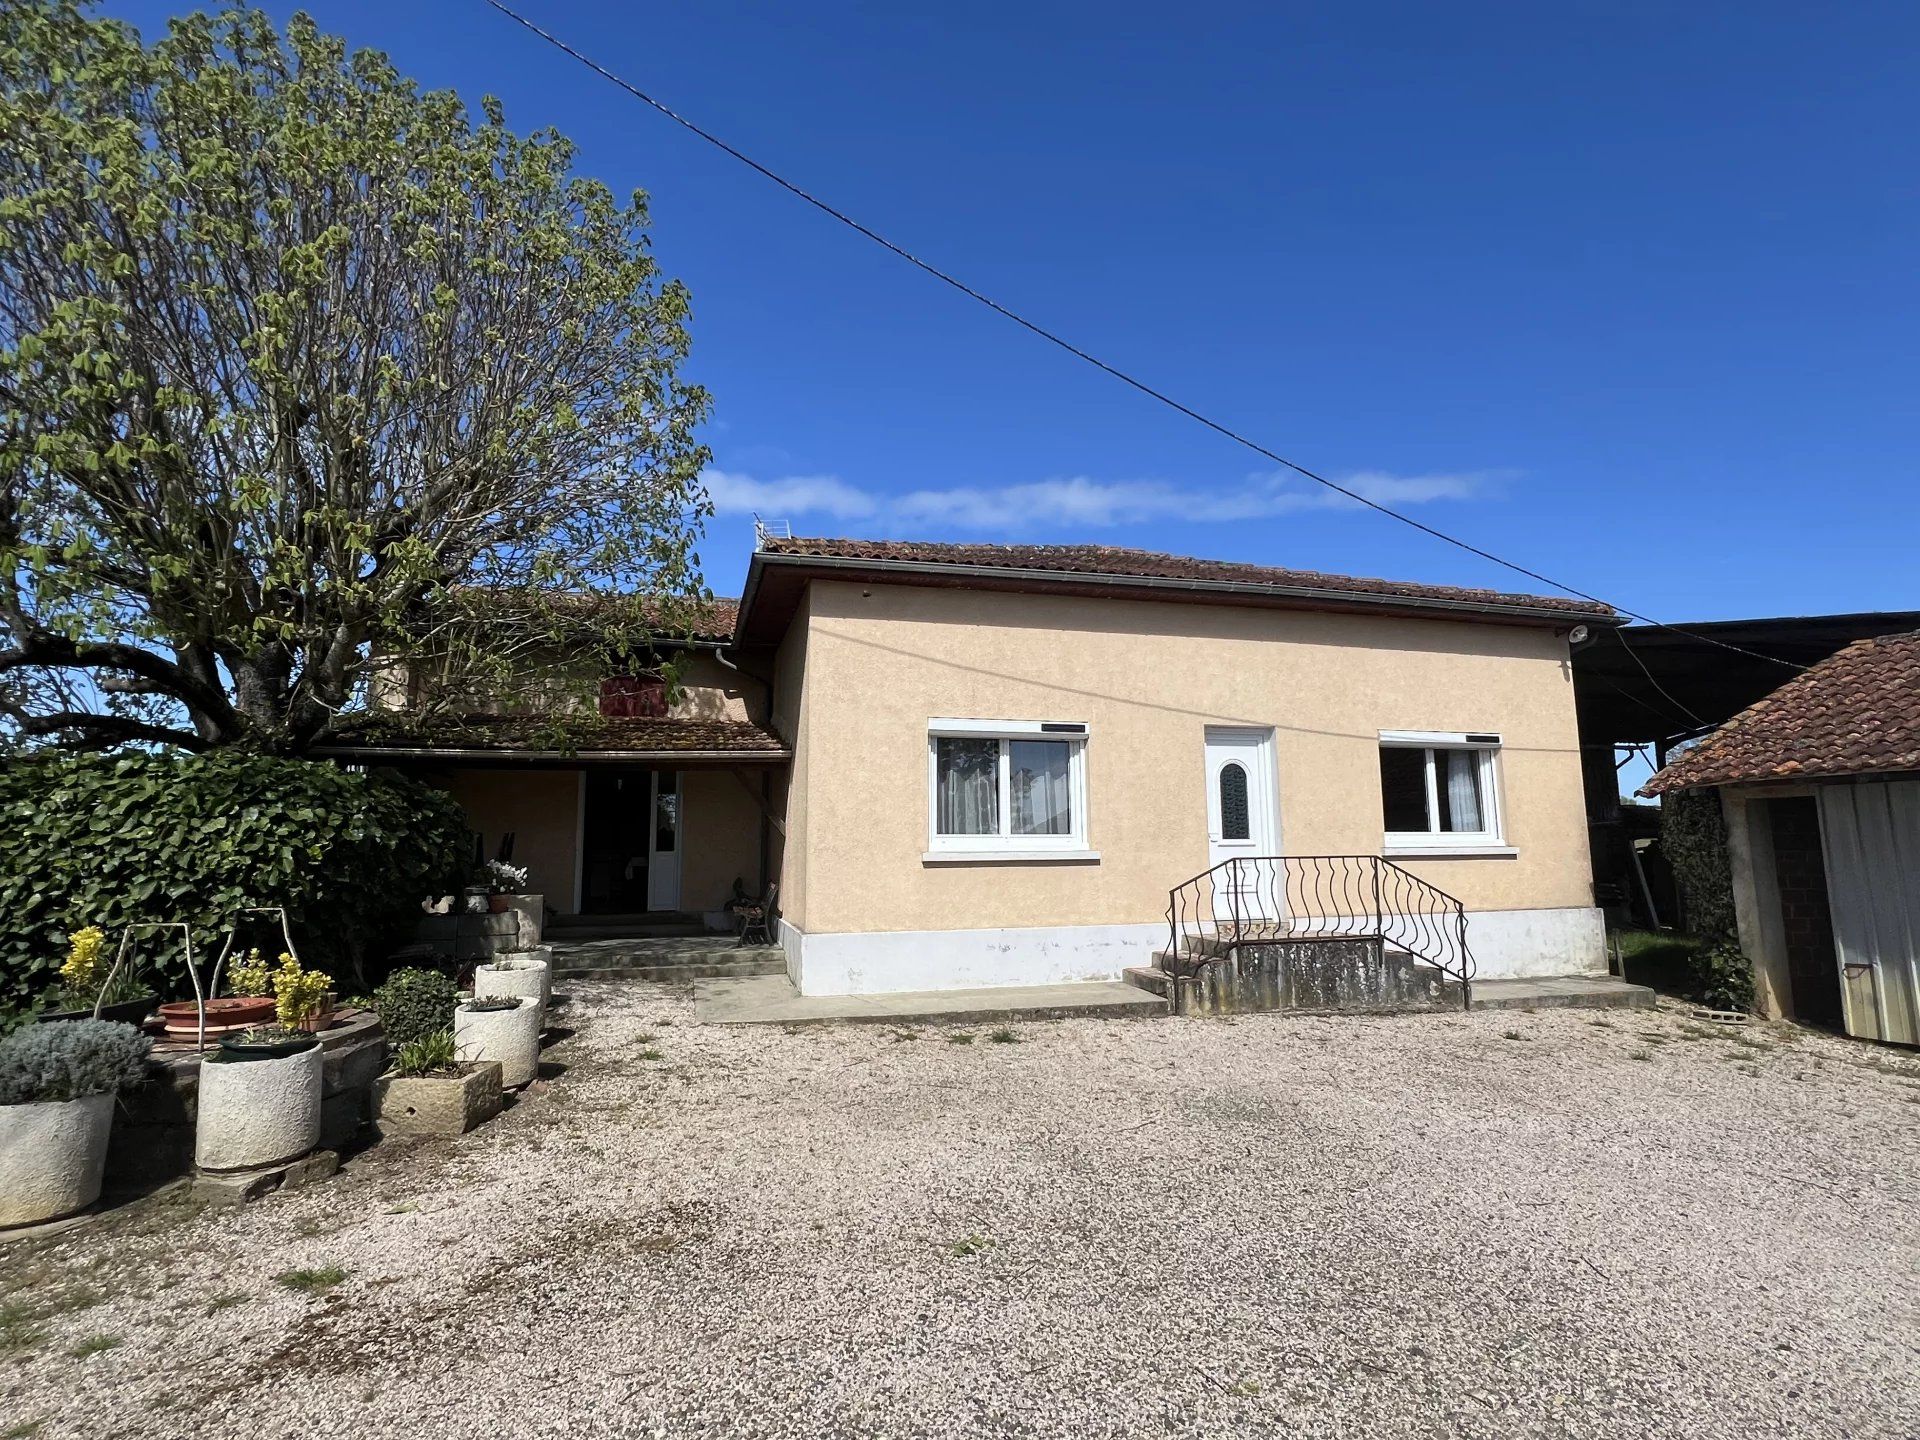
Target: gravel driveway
[(1583, 1223)]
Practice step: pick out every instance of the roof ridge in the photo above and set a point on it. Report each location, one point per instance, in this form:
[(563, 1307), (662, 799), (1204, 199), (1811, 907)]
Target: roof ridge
[(1132, 562)]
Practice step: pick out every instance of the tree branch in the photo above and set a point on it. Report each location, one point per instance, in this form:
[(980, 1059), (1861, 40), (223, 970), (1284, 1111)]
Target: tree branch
[(101, 732)]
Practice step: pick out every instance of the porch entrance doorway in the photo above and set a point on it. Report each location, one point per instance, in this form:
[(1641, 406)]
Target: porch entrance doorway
[(630, 841)]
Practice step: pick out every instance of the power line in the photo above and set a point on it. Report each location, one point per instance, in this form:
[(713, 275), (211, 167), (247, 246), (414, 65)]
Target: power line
[(1118, 374)]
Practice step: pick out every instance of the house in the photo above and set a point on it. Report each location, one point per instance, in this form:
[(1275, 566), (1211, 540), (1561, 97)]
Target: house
[(971, 765), (1819, 784)]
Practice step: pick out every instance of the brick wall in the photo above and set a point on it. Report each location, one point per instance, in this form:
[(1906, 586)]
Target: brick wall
[(1806, 921)]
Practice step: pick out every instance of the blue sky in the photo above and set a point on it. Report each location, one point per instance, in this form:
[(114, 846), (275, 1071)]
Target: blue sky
[(1627, 293)]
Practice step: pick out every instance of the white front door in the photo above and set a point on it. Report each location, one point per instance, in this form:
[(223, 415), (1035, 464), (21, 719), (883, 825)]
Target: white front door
[(663, 842), (1242, 822)]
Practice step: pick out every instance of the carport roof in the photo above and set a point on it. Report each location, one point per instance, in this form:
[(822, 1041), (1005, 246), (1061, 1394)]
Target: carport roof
[(1855, 713)]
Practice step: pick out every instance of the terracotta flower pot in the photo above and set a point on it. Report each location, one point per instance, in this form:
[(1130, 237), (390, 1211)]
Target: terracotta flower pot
[(499, 904), (228, 1013)]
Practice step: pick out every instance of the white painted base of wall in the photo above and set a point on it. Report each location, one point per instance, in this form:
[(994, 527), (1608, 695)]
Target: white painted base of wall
[(1507, 944), (1512, 944), (878, 962)]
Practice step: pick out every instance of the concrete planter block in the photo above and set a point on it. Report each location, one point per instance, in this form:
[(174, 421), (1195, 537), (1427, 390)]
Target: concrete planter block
[(530, 976), (440, 1104), (510, 1036), (532, 913), (52, 1154), (258, 1112)]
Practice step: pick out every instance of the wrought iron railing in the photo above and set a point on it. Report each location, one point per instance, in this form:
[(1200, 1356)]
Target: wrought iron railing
[(1270, 898)]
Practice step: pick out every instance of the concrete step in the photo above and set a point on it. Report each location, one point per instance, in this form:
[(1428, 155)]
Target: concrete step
[(671, 930), (1150, 978), (773, 1001), (691, 971), (663, 958), (1586, 992)]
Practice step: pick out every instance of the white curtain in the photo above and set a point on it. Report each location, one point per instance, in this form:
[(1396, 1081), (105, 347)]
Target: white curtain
[(1463, 789), (967, 785), (1039, 787)]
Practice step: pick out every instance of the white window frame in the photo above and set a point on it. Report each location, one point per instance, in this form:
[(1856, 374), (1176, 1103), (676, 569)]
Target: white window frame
[(1007, 846), (1490, 840)]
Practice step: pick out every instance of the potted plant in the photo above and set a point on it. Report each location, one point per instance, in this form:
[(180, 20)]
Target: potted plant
[(431, 1091), (259, 1100), (86, 990), (515, 972), (303, 998), (504, 1028), (503, 883), (251, 1004), (260, 1091), (57, 1084)]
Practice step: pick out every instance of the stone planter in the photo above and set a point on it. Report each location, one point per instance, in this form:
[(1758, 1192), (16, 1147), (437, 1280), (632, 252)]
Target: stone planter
[(440, 1104), (530, 976), (510, 1036), (258, 1112), (51, 1157), (127, 1012)]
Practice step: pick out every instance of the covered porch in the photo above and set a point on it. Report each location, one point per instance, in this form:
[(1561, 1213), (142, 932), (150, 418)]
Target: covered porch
[(628, 825)]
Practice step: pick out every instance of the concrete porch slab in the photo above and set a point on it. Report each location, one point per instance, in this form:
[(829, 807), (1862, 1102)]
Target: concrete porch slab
[(1597, 992), (772, 1000)]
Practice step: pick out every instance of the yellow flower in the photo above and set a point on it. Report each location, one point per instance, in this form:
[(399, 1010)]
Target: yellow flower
[(83, 958)]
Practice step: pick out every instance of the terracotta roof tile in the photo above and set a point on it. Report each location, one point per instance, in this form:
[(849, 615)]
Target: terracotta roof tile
[(1855, 713), (582, 735), (1112, 560)]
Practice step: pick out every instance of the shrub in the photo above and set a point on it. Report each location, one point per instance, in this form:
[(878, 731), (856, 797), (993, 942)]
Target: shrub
[(108, 839), (1720, 976), (1693, 838), (66, 1059), (414, 1004)]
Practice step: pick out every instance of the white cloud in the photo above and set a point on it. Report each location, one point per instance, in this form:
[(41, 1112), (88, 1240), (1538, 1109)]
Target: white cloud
[(735, 494), (1075, 502)]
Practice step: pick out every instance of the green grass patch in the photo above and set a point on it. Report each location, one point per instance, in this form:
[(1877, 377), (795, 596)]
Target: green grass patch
[(959, 1037), (1004, 1036), (19, 1329), (312, 1282), (968, 1245), (94, 1345), (649, 1055)]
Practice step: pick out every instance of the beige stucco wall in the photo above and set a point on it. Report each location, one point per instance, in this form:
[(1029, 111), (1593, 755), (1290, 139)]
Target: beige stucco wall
[(721, 838), (879, 661), (792, 699), (542, 808), (710, 691)]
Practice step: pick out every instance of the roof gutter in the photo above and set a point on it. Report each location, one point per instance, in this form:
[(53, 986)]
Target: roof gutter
[(612, 757), (1252, 590)]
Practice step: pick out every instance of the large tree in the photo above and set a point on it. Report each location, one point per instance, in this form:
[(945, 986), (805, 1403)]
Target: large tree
[(304, 373)]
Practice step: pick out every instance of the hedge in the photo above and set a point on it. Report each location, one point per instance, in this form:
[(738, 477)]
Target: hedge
[(110, 839)]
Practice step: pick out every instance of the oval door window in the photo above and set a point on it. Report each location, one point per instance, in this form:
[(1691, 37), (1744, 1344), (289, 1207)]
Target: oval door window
[(1233, 802)]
